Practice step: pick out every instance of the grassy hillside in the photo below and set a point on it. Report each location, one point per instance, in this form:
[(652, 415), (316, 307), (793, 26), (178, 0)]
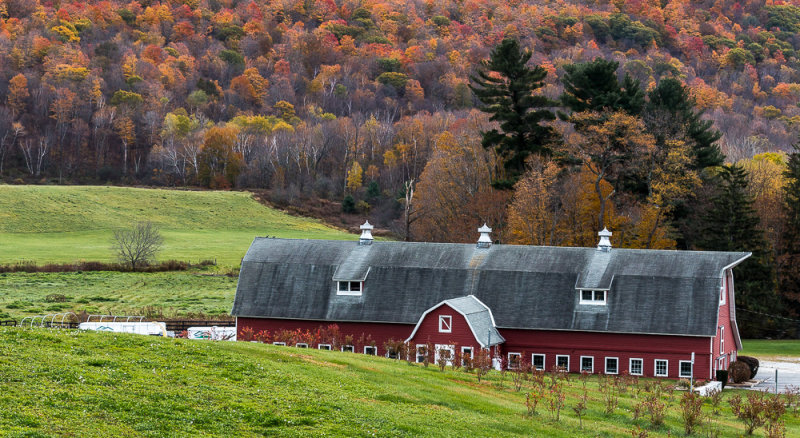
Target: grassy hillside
[(70, 383), (119, 293), (69, 223)]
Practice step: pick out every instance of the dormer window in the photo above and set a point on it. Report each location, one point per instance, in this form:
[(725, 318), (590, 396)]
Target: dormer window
[(350, 288), (593, 297)]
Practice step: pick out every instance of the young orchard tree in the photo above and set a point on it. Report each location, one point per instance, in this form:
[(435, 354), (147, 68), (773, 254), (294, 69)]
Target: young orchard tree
[(138, 246), (506, 86)]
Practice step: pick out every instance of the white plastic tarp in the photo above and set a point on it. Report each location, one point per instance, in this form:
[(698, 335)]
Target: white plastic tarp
[(212, 333), (139, 328)]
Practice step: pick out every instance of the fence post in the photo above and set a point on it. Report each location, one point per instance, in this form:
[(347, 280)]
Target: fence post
[(776, 381)]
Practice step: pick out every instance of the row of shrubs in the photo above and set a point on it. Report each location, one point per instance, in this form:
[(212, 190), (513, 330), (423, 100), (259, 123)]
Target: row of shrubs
[(165, 266)]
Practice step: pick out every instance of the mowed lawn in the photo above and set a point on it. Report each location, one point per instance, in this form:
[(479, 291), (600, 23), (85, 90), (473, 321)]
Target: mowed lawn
[(89, 384), (70, 223), (770, 349), (201, 292)]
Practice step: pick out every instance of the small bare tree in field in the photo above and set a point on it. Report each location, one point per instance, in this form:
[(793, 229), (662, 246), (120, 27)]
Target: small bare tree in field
[(137, 246)]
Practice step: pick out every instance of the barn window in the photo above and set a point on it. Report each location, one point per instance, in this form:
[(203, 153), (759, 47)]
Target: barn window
[(562, 362), (301, 345), (372, 351), (662, 367), (587, 364), (324, 347), (537, 361), (612, 365), (445, 324), (636, 366), (593, 297), (466, 356), (686, 369), (422, 351), (349, 288), (282, 344), (347, 348), (722, 340), (513, 360)]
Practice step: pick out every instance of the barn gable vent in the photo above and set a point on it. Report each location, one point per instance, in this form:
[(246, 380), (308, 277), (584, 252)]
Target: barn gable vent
[(366, 234), (485, 240)]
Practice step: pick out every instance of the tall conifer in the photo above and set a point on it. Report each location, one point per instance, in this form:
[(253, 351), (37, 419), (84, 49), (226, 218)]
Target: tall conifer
[(790, 253), (505, 86), (732, 224)]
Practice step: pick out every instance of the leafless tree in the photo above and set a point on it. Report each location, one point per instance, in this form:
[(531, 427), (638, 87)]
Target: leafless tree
[(137, 246)]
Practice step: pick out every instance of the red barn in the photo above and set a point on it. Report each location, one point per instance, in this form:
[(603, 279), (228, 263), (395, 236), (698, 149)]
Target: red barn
[(603, 310)]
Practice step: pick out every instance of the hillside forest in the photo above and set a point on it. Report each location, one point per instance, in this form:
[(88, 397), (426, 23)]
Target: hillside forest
[(672, 123)]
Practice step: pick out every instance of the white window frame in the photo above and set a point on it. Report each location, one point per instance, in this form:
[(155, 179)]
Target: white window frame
[(350, 349), (680, 369), (581, 363), (417, 355), (722, 339), (595, 301), (280, 344), (450, 347), (666, 368), (352, 288), (445, 323), (559, 356), (301, 345), (641, 366), (464, 356), (373, 348), (319, 347), (616, 360), (519, 360), (722, 294), (533, 361)]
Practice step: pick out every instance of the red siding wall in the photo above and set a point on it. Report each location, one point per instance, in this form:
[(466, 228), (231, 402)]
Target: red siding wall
[(602, 345), (380, 332), (429, 330), (724, 352)]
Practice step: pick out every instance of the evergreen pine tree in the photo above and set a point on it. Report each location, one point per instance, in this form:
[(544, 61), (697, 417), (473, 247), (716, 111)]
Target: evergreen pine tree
[(790, 253), (670, 113), (509, 97), (731, 224), (593, 86)]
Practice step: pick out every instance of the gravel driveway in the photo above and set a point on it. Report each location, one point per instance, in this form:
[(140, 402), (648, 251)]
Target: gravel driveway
[(788, 374)]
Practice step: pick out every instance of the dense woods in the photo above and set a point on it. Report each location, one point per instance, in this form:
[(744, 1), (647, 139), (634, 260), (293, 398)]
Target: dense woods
[(667, 122)]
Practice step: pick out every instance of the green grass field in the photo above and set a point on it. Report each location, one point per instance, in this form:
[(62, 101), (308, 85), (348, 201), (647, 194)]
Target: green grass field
[(175, 294), (70, 223), (72, 383), (770, 349)]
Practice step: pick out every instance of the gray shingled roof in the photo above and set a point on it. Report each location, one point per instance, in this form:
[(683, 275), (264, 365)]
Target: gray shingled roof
[(528, 287), (478, 316)]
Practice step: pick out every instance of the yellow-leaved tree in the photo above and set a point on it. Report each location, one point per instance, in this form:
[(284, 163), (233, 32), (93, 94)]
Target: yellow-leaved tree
[(355, 177)]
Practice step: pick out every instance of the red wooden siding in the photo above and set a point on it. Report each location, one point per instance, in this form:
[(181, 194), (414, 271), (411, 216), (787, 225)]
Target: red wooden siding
[(723, 345), (602, 345), (527, 342), (460, 334), (380, 332)]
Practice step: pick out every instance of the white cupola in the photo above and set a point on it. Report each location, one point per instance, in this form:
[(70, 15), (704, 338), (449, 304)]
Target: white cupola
[(366, 234), (485, 240), (604, 244)]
